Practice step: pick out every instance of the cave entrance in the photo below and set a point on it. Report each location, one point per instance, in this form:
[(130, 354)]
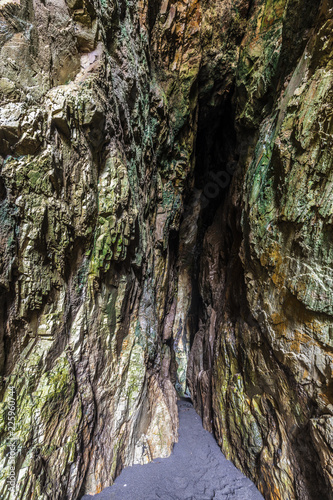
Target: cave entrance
[(216, 161), (215, 166)]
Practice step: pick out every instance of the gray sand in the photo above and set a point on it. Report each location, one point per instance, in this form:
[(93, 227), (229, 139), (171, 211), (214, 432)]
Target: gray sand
[(196, 470)]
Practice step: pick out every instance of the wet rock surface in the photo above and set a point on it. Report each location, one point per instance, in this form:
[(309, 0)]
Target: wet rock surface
[(196, 470)]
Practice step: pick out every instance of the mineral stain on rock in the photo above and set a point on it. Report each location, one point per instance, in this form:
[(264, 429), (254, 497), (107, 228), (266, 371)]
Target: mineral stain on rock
[(165, 226)]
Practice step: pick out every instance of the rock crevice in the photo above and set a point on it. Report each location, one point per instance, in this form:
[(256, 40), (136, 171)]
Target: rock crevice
[(165, 207)]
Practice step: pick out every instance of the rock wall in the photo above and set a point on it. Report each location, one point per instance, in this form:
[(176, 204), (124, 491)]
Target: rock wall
[(128, 260), (260, 368)]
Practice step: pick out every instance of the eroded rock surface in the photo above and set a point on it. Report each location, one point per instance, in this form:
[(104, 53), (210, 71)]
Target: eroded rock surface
[(165, 205), (263, 353)]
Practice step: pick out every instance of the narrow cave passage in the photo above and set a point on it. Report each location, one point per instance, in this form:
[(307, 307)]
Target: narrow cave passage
[(215, 166), (196, 470), (216, 157), (207, 214), (166, 212)]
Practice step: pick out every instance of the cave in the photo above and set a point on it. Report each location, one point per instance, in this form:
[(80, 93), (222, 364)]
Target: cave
[(166, 249)]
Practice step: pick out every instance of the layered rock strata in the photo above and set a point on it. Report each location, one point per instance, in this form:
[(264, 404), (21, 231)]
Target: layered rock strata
[(123, 268)]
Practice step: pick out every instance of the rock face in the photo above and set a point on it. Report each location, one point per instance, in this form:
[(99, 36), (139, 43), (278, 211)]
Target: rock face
[(263, 352), (166, 206)]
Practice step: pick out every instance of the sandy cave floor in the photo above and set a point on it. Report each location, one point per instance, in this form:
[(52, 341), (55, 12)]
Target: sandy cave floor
[(196, 470)]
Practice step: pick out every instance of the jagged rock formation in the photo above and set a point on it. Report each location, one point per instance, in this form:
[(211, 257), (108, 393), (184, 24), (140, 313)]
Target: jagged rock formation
[(263, 353), (165, 210)]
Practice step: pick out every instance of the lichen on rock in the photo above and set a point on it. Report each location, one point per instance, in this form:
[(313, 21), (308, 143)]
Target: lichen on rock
[(165, 210)]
